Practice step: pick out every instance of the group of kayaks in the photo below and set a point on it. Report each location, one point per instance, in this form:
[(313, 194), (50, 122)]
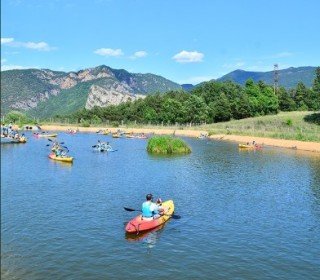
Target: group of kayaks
[(11, 136), (122, 134)]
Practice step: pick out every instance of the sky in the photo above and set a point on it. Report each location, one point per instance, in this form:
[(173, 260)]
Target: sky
[(185, 41)]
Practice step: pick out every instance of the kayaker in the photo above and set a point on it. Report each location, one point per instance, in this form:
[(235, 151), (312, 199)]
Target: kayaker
[(151, 209), (108, 146)]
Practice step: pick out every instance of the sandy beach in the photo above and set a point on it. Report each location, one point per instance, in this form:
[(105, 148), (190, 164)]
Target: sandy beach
[(290, 144)]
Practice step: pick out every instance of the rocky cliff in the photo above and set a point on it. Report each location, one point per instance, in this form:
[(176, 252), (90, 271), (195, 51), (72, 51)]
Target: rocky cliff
[(102, 97), (46, 92)]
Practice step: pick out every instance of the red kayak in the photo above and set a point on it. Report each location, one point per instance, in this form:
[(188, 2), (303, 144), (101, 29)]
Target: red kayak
[(137, 224)]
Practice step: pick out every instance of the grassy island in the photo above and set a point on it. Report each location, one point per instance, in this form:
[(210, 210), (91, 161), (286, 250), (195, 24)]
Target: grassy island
[(167, 145)]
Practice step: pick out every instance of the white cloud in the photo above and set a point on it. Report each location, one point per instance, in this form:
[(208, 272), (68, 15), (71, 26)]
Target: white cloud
[(108, 52), (3, 60), (139, 54), (6, 40), (41, 46), (187, 57)]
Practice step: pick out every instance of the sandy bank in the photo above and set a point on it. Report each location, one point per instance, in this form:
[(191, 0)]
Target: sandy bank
[(291, 144)]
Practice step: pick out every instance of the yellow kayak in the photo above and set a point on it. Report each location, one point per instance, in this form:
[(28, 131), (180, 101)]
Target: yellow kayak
[(116, 135), (244, 146), (64, 159), (22, 140)]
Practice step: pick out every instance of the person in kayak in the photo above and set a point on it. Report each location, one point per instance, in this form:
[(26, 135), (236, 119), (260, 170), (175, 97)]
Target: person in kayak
[(151, 209)]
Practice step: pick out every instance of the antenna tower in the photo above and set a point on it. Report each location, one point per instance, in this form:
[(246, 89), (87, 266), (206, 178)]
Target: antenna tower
[(275, 78)]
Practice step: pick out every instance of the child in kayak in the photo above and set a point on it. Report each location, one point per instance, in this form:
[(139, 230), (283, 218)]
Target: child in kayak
[(151, 210)]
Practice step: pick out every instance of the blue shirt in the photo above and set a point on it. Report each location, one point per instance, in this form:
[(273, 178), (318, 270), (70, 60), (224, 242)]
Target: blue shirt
[(149, 209)]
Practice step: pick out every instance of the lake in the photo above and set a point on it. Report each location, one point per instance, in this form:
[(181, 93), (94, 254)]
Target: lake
[(244, 214)]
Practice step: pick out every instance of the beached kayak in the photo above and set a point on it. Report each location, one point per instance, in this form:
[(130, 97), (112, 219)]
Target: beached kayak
[(64, 159), (137, 224)]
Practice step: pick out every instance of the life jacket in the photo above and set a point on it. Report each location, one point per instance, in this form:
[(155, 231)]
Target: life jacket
[(146, 212)]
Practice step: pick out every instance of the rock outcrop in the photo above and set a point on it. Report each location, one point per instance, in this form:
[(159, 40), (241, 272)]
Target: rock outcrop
[(102, 97)]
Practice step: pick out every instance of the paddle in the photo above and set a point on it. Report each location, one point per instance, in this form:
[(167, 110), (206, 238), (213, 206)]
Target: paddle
[(173, 216)]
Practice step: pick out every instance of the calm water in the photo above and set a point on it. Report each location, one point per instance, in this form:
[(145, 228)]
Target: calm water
[(245, 215)]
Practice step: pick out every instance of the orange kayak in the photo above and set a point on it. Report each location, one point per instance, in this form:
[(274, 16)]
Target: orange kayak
[(137, 224)]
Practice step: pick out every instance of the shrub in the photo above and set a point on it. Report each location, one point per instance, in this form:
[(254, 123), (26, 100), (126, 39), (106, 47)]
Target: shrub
[(289, 122), (167, 145), (84, 123)]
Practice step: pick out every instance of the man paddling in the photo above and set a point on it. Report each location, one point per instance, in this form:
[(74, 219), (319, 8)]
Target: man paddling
[(151, 210)]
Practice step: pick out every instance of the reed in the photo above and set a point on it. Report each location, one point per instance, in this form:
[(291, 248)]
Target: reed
[(167, 145)]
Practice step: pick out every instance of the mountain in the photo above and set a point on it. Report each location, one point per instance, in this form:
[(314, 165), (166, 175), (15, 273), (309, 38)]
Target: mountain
[(187, 87), (288, 78), (45, 93)]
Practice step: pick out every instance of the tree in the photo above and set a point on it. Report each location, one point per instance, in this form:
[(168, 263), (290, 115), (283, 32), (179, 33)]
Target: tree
[(220, 109), (286, 102), (315, 94), (301, 96), (196, 109)]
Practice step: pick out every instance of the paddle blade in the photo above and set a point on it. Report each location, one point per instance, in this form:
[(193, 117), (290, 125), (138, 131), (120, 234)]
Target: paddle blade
[(49, 140), (94, 146), (129, 209), (176, 217)]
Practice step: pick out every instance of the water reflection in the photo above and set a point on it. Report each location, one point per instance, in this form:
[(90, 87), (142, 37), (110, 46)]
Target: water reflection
[(149, 237)]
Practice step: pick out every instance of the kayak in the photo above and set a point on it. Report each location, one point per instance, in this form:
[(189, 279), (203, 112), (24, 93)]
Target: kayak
[(45, 135), (244, 146), (116, 135), (252, 147), (137, 224), (64, 159), (22, 140), (130, 136), (133, 237), (10, 140), (104, 150)]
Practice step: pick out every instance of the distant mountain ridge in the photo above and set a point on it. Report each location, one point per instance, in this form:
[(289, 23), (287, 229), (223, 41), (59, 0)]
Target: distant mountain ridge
[(46, 93), (288, 78)]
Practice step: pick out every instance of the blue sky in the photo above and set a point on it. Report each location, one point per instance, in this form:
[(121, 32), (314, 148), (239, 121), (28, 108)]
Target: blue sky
[(185, 41)]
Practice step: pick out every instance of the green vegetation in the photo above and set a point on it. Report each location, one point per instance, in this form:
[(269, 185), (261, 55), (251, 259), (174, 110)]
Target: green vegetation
[(68, 101), (22, 85), (17, 118), (167, 145), (303, 126), (209, 102)]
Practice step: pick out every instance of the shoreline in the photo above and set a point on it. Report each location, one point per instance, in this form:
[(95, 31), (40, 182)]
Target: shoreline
[(273, 142)]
